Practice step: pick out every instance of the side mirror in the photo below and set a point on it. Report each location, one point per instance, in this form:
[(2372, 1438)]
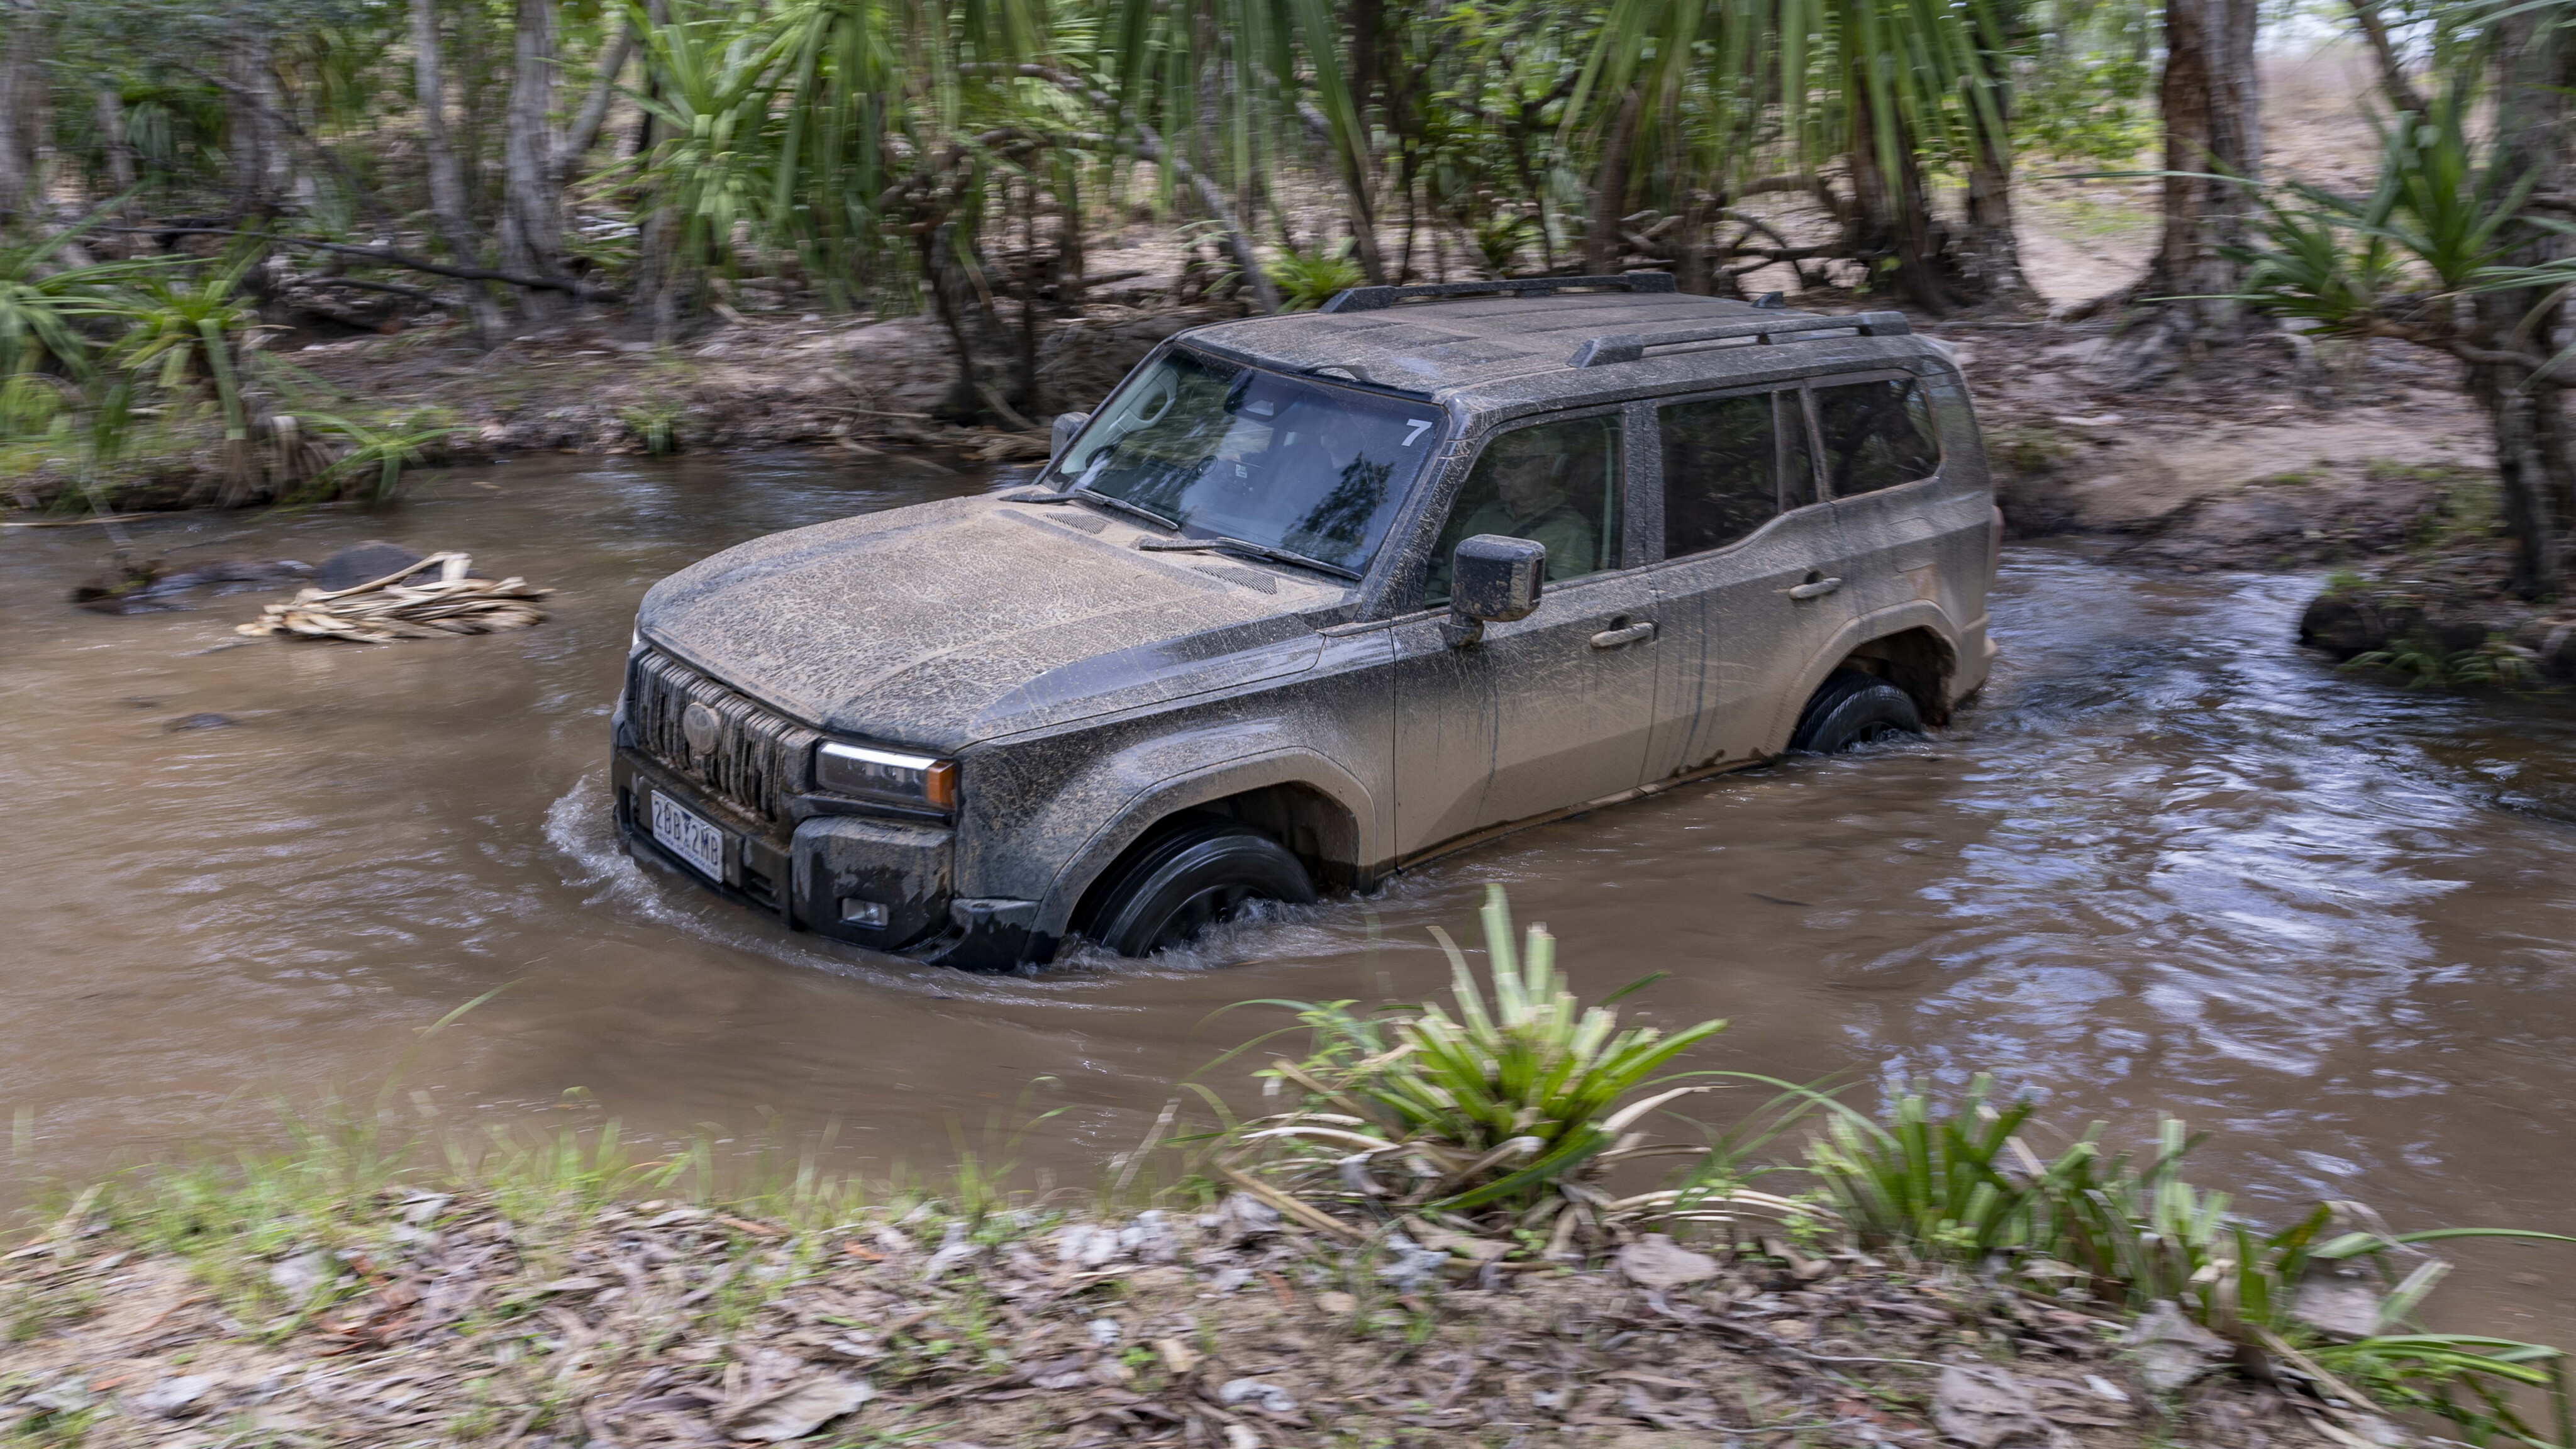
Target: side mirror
[(1066, 425), (1493, 579)]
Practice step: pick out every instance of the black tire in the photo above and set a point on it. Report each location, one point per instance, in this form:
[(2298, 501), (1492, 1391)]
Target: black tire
[(1186, 877), (1852, 708)]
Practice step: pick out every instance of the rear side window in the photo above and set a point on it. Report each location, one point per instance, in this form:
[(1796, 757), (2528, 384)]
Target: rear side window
[(1721, 471), (1876, 434), (1950, 411)]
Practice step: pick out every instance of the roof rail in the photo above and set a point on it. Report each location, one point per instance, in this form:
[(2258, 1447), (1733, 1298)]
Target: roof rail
[(1377, 299), (1630, 346)]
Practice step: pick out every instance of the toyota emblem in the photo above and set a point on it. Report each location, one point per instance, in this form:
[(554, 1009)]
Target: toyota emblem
[(698, 727)]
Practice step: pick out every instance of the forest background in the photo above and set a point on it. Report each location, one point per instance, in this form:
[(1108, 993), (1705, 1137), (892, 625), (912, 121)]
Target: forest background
[(178, 180)]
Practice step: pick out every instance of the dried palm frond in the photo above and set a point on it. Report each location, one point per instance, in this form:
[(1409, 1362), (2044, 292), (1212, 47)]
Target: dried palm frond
[(383, 610)]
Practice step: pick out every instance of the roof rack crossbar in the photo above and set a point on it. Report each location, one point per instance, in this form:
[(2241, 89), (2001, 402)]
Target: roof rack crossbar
[(1377, 299), (1631, 346)]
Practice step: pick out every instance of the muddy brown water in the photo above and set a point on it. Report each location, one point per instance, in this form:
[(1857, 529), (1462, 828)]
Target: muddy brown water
[(2169, 863)]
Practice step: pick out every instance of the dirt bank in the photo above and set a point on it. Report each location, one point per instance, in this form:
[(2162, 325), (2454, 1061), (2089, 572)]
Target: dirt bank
[(434, 1318), (758, 380)]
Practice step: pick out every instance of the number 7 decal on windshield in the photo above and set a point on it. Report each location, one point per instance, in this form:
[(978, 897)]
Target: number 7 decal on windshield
[(1419, 427)]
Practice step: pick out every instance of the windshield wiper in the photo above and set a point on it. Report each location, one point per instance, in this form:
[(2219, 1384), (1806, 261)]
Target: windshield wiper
[(1244, 546), (1123, 506)]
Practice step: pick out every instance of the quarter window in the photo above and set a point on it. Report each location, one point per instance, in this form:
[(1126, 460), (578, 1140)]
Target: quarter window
[(1557, 484), (1876, 434), (1721, 471)]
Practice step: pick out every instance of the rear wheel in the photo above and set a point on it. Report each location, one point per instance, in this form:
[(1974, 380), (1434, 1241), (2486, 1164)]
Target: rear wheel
[(1186, 877), (1852, 708)]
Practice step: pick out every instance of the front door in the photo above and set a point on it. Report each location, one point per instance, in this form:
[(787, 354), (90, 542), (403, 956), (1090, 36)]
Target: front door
[(1546, 712), (1752, 589)]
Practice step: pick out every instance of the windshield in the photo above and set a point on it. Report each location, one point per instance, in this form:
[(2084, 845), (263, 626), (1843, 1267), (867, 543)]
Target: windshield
[(1222, 450)]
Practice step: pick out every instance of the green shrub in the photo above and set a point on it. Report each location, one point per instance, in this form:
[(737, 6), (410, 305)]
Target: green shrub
[(1307, 280), (1501, 1106)]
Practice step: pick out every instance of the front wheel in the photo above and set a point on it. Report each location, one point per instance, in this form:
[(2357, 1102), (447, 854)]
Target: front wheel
[(1187, 877), (1852, 708)]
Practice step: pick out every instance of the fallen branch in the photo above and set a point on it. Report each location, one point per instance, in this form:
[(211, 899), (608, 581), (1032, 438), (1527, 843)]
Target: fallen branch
[(362, 284), (2545, 372)]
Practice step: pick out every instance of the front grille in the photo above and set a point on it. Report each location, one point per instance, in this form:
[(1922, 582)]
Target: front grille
[(756, 759)]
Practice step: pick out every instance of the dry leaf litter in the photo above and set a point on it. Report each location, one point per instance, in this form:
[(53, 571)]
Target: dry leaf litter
[(439, 1320)]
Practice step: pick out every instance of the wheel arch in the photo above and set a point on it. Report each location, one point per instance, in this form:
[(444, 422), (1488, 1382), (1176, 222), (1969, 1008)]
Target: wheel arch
[(1912, 646), (1308, 803)]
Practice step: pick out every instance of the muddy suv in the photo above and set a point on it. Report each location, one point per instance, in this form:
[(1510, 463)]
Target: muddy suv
[(1312, 599)]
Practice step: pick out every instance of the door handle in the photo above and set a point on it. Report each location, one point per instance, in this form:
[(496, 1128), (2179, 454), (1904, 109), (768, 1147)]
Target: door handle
[(1816, 590), (1613, 638)]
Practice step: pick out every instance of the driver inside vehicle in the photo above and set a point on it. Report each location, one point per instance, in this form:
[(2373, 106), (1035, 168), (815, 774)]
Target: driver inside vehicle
[(1528, 485)]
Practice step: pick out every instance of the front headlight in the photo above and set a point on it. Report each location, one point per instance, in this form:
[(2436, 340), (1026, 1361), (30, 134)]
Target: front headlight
[(886, 775)]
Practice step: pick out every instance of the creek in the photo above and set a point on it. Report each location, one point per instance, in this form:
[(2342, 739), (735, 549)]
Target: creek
[(2168, 862)]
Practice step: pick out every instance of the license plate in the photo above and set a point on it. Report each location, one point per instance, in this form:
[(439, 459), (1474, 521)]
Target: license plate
[(685, 834)]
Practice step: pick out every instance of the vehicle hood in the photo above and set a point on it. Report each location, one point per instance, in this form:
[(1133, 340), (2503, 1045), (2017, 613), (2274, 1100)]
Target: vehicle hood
[(942, 624)]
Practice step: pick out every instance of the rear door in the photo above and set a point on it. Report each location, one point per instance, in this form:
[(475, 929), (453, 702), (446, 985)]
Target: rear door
[(1546, 712), (1881, 452), (1750, 589)]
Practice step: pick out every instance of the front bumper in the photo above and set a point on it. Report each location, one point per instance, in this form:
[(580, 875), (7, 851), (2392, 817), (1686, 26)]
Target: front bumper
[(868, 880)]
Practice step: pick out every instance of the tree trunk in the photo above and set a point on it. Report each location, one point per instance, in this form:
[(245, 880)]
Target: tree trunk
[(584, 134), (2401, 92), (1987, 257), (21, 74), (2536, 61), (1028, 390), (446, 181), (2211, 100), (662, 279), (1893, 214), (1069, 260), (1355, 185), (1531, 188), (531, 230), (964, 402), (1693, 271), (473, 67), (262, 171), (113, 140), (1205, 147), (1610, 189)]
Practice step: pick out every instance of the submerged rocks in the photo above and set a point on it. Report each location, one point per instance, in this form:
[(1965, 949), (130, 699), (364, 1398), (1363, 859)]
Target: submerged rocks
[(362, 563), (125, 586)]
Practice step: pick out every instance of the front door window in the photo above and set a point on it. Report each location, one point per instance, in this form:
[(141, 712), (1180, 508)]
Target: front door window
[(1556, 484)]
